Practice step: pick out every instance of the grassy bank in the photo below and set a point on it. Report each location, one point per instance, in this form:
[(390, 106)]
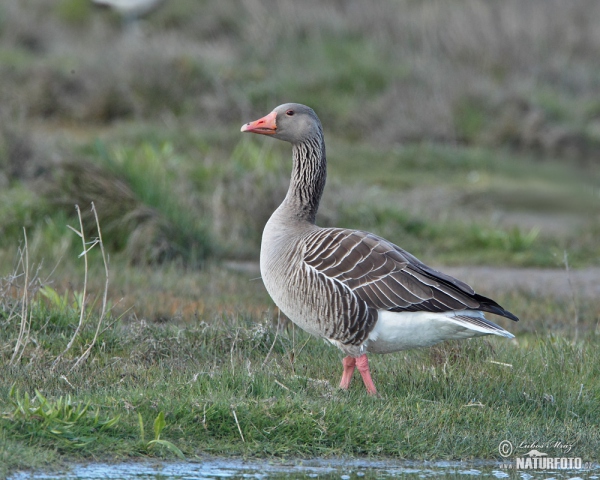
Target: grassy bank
[(182, 199), (223, 380)]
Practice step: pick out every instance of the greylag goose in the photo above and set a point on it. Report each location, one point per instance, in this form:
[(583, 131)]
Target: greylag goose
[(357, 290)]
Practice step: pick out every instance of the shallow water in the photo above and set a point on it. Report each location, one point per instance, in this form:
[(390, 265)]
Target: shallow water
[(327, 469)]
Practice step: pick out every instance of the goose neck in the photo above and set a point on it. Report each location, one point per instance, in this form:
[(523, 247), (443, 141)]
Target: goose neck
[(309, 173)]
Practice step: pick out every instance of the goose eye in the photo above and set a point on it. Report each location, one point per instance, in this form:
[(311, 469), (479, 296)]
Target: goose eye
[(289, 113)]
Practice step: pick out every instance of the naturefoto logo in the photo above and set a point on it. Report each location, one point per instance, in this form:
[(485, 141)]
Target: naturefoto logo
[(536, 459)]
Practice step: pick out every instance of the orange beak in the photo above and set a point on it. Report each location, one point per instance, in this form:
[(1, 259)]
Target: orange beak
[(265, 125)]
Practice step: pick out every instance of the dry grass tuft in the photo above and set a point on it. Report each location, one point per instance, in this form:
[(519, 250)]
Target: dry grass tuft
[(129, 224)]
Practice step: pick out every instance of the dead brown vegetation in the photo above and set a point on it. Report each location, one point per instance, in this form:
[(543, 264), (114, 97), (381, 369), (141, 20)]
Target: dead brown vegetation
[(483, 72)]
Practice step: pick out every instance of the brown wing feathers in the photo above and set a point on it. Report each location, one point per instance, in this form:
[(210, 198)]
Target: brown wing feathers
[(386, 277)]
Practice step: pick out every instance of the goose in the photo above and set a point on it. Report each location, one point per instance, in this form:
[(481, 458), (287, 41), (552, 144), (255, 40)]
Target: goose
[(359, 291)]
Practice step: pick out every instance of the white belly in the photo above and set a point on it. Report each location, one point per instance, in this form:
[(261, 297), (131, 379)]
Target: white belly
[(402, 331)]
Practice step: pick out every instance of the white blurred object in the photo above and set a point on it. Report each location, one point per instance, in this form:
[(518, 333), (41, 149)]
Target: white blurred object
[(131, 10)]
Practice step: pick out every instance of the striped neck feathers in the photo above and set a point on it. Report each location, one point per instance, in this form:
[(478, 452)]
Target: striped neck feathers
[(309, 173)]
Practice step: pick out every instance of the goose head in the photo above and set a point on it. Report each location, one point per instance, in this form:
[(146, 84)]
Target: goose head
[(291, 122)]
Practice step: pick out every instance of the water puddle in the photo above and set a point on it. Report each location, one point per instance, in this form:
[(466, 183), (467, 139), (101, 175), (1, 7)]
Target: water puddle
[(323, 469)]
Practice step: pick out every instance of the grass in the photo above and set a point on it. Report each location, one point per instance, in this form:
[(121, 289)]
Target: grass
[(400, 72), (238, 388), (187, 200)]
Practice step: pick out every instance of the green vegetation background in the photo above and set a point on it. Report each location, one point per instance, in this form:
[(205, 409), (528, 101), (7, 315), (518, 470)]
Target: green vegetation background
[(469, 134)]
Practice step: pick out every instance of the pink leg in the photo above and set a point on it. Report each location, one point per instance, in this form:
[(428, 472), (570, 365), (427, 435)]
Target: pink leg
[(349, 363), (362, 363)]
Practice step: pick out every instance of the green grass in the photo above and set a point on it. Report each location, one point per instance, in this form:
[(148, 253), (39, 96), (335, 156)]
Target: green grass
[(220, 358), (208, 338), (188, 197), (449, 402), (417, 164)]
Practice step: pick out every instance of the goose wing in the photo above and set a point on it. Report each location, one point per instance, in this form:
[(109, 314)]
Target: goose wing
[(387, 277)]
